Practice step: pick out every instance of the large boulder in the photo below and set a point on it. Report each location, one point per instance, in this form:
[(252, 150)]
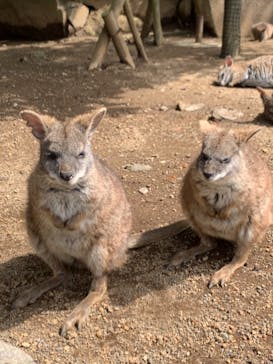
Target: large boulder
[(35, 19)]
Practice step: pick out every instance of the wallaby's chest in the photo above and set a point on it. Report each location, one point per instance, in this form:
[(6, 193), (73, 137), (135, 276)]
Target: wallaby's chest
[(62, 204), (217, 211)]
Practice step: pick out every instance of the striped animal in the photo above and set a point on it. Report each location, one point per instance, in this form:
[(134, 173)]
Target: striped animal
[(262, 31), (257, 72)]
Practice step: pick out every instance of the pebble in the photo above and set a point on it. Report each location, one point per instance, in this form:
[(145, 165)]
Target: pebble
[(163, 108), (25, 344), (186, 107), (143, 190), (137, 167)]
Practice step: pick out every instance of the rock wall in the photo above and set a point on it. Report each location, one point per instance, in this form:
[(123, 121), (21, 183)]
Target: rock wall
[(253, 11)]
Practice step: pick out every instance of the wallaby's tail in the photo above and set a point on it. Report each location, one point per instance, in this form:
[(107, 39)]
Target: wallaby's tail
[(141, 239)]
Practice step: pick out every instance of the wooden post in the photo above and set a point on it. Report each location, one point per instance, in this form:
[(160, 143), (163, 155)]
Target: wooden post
[(137, 39), (148, 21), (119, 43), (104, 38), (199, 18), (158, 34), (199, 28)]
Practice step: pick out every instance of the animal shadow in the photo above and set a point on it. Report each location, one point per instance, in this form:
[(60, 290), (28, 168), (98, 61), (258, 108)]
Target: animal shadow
[(146, 271)]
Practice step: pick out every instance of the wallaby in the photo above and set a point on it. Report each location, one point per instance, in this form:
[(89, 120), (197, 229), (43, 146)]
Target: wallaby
[(257, 72), (226, 194), (77, 210), (262, 31), (268, 104)]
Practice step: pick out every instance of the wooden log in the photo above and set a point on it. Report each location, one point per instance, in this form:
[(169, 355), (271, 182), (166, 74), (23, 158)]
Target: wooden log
[(100, 50), (158, 34), (148, 21), (137, 39), (104, 38), (119, 43)]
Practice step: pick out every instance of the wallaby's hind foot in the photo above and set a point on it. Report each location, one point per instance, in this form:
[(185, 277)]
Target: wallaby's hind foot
[(223, 275), (206, 244), (32, 294), (81, 312)]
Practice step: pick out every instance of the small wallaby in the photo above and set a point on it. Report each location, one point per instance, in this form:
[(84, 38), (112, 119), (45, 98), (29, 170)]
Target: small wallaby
[(77, 210), (257, 72), (268, 104), (262, 31), (226, 194)]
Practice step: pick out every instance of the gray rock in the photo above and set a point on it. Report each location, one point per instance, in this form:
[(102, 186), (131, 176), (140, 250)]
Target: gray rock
[(9, 354)]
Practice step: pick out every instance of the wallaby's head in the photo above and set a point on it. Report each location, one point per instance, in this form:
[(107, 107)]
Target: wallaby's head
[(221, 151), (225, 74), (261, 32), (65, 147)]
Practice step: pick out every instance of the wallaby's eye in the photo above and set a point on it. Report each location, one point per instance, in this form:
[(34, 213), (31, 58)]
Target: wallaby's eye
[(52, 155), (81, 155), (204, 157), (226, 160)]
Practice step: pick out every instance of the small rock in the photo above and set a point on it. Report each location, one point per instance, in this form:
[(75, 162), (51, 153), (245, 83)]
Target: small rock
[(77, 14), (143, 190), (25, 344), (163, 108), (221, 113), (137, 167), (185, 107)]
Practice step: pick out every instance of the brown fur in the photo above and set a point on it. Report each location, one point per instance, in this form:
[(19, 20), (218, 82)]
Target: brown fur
[(77, 210), (268, 104), (227, 194)]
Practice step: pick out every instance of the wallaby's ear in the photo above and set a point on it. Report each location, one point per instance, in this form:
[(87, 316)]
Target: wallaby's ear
[(228, 61), (34, 121), (96, 119), (261, 91), (207, 128), (244, 136), (89, 122)]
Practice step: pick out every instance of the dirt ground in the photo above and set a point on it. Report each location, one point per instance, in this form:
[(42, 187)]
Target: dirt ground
[(151, 314)]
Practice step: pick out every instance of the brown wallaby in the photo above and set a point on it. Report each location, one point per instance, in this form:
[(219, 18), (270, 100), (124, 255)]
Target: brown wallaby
[(262, 31), (77, 210), (257, 72), (268, 104), (226, 194)]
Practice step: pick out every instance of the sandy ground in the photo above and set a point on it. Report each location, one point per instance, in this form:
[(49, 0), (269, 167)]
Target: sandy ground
[(151, 314)]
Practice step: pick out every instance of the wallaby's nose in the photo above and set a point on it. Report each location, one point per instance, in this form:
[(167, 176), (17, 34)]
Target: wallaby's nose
[(66, 176), (207, 175)]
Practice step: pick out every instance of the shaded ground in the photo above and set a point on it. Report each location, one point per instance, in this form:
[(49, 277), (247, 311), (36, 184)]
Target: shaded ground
[(151, 314)]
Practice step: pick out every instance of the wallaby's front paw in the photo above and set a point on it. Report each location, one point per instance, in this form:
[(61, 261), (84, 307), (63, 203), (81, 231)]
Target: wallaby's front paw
[(75, 319), (222, 276)]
